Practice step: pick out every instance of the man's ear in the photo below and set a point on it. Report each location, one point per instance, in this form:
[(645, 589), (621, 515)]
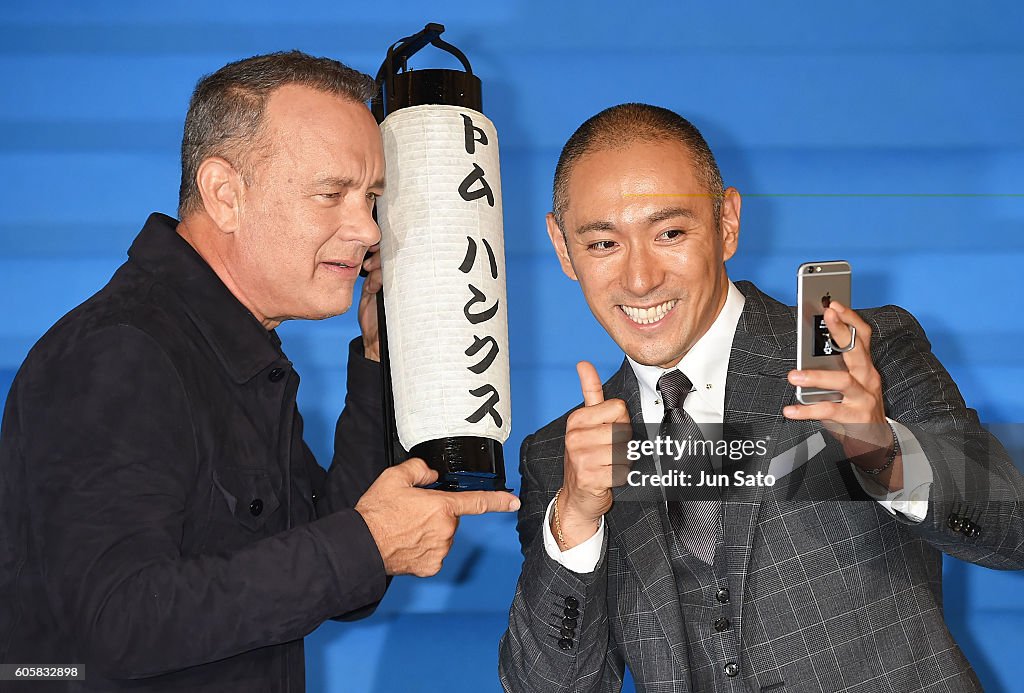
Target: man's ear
[(220, 186), (558, 241), (730, 223)]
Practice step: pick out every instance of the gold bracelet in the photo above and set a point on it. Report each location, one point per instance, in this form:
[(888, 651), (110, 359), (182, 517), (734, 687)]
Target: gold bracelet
[(558, 524)]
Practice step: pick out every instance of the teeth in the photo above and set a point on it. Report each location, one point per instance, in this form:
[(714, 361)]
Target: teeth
[(647, 316)]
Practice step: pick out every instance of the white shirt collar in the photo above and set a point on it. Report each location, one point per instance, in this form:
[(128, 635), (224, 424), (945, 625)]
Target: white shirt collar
[(706, 364)]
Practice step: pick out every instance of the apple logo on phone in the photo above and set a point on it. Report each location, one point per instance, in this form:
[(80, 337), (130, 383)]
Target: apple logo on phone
[(826, 300)]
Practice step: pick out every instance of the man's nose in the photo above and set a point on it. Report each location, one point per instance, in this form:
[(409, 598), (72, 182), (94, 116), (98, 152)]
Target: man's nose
[(363, 229), (643, 272)]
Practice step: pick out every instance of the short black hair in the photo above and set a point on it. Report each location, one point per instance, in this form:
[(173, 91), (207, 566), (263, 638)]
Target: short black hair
[(226, 111), (621, 125)]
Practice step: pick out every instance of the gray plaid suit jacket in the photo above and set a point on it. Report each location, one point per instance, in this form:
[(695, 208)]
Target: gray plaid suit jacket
[(835, 593)]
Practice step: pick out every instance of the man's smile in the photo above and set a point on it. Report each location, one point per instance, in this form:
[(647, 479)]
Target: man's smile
[(648, 315)]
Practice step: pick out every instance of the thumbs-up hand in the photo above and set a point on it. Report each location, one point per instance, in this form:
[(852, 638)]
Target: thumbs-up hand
[(591, 433)]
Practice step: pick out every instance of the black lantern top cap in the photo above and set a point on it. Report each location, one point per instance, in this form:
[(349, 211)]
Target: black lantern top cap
[(401, 87)]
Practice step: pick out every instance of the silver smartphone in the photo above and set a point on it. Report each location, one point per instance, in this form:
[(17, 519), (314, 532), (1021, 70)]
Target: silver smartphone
[(817, 284)]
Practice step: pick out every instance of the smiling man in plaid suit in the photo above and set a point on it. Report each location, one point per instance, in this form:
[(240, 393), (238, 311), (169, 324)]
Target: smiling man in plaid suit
[(828, 580)]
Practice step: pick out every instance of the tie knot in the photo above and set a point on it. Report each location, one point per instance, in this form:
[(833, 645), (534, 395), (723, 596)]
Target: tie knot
[(674, 386)]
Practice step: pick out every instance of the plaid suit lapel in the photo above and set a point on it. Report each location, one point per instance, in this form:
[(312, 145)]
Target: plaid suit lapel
[(639, 530), (756, 390)]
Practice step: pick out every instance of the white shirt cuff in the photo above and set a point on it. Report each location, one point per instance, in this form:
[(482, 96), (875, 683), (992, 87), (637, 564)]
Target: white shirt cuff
[(912, 500), (582, 558)]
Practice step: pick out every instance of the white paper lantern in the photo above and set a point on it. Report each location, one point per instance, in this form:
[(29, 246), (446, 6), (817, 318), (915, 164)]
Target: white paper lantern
[(443, 261)]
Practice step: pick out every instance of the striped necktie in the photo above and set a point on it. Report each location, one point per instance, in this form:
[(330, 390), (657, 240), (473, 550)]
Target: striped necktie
[(696, 522)]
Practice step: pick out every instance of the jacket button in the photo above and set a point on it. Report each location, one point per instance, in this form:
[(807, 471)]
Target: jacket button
[(722, 595), (256, 507), (954, 522), (565, 644), (721, 624), (567, 632), (568, 622), (572, 612), (275, 374), (731, 669), (571, 602)]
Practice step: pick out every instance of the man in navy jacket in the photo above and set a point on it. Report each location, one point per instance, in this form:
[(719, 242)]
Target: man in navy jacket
[(164, 527)]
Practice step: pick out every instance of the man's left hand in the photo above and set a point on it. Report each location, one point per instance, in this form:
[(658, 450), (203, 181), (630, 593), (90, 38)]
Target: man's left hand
[(368, 304), (858, 422)]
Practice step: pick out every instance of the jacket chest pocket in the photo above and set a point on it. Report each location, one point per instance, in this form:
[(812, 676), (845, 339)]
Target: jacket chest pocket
[(253, 496)]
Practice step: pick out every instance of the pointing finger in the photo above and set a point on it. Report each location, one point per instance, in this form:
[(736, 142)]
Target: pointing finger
[(480, 502)]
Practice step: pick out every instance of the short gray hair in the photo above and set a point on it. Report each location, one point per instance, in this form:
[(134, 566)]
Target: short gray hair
[(621, 125), (225, 114)]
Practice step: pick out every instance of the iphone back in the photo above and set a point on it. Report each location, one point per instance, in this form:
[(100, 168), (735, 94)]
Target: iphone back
[(819, 283)]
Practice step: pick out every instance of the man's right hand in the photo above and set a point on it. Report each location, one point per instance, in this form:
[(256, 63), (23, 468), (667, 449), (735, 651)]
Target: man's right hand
[(414, 527), (592, 465)]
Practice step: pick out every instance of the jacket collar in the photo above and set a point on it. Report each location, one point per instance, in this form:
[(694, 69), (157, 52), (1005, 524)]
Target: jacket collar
[(243, 346), (770, 324)]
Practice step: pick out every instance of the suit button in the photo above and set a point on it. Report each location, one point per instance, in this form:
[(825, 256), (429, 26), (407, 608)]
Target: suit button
[(731, 669), (256, 507), (567, 632), (954, 522), (722, 595), (572, 612), (565, 644), (568, 622), (721, 624), (571, 602), (275, 374)]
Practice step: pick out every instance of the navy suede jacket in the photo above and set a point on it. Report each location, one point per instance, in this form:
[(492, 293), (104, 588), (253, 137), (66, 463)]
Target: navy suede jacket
[(162, 523)]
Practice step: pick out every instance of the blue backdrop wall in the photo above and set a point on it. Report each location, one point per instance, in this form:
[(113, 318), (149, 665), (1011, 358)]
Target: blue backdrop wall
[(885, 133)]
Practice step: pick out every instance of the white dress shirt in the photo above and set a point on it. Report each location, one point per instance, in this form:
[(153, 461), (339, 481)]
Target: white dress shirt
[(706, 364)]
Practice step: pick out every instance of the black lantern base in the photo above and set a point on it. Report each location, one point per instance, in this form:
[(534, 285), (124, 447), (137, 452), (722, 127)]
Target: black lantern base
[(466, 463)]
